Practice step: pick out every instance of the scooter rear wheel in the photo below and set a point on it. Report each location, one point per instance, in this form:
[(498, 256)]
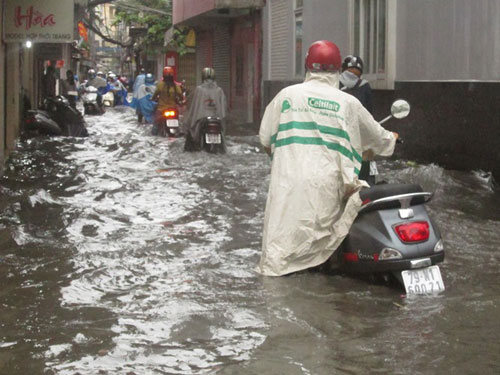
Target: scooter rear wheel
[(162, 130)]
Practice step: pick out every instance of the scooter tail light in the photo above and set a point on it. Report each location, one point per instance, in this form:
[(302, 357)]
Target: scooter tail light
[(416, 231), (30, 120), (439, 247), (390, 254), (169, 113), (351, 257), (213, 128)]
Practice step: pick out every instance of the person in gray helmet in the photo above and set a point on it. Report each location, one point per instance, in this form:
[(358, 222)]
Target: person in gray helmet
[(95, 80), (208, 99), (98, 82)]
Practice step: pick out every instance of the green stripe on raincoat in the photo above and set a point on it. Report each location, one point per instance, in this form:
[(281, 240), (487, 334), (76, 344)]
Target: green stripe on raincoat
[(351, 154)]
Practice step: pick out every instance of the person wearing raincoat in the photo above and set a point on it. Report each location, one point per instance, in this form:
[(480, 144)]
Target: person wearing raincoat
[(145, 107), (208, 99), (96, 80), (316, 135), (168, 95), (119, 91), (139, 80)]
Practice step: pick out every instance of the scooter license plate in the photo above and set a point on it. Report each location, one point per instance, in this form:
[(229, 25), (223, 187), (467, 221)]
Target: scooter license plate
[(173, 123), (213, 139), (423, 281)]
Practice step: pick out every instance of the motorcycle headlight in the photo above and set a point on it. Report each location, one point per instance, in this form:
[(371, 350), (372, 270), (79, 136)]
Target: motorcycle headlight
[(439, 246), (390, 254)]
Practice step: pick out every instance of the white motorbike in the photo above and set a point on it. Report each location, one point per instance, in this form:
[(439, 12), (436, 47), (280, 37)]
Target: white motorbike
[(92, 102)]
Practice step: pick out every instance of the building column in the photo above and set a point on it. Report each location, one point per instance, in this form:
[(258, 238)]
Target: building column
[(28, 78), (3, 114), (13, 97)]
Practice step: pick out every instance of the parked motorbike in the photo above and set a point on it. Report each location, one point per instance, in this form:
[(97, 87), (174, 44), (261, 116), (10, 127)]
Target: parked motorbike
[(92, 104), (55, 117), (169, 125), (394, 235)]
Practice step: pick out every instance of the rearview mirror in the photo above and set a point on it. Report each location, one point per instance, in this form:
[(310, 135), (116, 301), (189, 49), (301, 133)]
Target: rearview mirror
[(400, 108)]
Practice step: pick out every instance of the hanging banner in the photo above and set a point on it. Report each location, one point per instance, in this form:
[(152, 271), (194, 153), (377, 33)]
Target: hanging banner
[(82, 30), (47, 21)]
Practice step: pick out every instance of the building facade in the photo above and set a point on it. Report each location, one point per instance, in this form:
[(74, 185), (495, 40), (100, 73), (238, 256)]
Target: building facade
[(15, 60), (109, 56), (35, 33), (441, 56), (228, 38)]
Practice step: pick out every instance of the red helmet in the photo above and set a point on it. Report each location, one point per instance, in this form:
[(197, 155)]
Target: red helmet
[(168, 71), (323, 55)]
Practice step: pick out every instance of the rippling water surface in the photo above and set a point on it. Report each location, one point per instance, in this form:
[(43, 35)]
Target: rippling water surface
[(122, 254)]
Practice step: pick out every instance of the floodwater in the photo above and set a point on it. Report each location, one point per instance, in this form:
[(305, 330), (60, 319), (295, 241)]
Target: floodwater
[(122, 254)]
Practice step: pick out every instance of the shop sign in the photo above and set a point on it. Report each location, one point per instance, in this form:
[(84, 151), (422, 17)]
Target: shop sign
[(47, 21)]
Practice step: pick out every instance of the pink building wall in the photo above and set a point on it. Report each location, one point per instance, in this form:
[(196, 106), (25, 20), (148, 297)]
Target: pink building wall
[(185, 9)]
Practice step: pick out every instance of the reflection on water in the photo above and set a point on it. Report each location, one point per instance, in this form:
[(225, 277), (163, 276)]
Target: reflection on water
[(121, 254)]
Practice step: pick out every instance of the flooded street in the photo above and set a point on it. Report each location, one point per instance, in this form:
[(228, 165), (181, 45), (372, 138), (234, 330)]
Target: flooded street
[(123, 254)]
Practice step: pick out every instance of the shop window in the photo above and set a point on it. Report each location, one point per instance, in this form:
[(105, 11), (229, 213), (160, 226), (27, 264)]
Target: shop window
[(370, 23), (299, 33)]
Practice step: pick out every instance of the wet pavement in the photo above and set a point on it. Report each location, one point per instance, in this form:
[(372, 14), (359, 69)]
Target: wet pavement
[(122, 254)]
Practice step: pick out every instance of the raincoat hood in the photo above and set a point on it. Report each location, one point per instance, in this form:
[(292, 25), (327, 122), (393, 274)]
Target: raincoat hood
[(328, 78), (139, 80), (209, 84)]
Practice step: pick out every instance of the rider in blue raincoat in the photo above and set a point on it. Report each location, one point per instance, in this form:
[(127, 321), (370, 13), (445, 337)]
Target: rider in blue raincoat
[(119, 91), (145, 107), (139, 80)]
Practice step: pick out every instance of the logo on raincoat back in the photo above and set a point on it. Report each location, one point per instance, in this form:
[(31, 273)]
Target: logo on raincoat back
[(286, 106), (323, 104)]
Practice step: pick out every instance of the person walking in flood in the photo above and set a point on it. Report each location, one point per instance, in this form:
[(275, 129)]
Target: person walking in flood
[(316, 135)]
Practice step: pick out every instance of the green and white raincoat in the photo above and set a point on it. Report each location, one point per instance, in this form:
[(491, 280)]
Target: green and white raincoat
[(317, 135)]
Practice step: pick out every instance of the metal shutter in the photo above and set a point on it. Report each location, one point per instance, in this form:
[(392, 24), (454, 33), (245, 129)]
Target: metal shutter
[(222, 57), (279, 39)]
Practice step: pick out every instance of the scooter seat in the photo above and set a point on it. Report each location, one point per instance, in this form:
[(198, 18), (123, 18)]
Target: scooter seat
[(374, 193)]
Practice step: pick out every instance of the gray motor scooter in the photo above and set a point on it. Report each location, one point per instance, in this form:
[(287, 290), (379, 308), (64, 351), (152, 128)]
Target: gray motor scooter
[(394, 235)]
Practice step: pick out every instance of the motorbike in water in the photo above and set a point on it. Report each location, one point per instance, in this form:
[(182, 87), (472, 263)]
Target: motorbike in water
[(92, 105), (169, 125), (55, 117), (210, 136), (394, 235)]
